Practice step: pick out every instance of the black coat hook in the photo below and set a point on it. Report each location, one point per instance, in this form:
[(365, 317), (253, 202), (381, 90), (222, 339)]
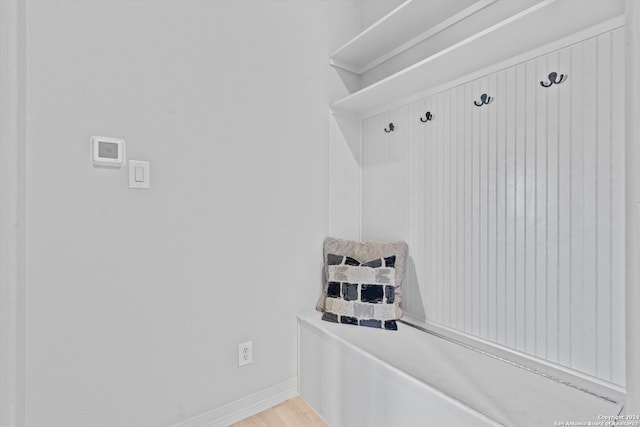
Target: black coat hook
[(553, 79), (391, 128), (484, 99), (428, 116)]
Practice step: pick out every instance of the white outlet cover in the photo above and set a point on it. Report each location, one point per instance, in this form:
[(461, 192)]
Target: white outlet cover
[(245, 353)]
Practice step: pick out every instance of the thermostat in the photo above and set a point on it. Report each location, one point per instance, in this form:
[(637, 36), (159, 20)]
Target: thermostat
[(107, 151)]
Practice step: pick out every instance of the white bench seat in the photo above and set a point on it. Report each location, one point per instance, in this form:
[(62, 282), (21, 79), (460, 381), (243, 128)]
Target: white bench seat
[(357, 376)]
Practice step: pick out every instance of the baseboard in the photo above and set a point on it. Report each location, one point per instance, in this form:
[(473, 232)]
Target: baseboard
[(245, 407)]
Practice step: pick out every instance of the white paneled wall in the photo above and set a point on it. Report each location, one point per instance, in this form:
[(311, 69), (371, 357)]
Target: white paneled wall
[(513, 211), (384, 170)]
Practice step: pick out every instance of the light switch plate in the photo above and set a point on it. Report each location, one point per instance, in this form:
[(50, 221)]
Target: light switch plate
[(139, 174)]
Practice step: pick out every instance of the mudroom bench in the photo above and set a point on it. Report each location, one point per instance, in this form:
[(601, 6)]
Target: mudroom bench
[(357, 376)]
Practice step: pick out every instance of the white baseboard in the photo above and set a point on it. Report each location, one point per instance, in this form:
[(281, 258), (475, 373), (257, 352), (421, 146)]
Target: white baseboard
[(245, 407)]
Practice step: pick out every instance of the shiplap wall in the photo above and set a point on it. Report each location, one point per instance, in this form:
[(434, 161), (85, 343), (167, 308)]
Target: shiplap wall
[(513, 211)]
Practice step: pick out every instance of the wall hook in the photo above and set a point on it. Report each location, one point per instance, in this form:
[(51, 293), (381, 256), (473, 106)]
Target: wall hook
[(553, 79), (484, 99), (428, 116), (391, 128)]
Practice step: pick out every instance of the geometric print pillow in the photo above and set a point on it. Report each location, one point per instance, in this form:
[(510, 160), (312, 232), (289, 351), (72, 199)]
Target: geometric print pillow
[(365, 250), (361, 293)]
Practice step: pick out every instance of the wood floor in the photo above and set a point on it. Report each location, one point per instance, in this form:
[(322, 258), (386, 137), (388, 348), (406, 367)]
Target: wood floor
[(291, 413)]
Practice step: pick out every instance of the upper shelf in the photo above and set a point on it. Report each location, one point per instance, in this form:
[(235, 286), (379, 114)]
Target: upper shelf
[(405, 26), (541, 24)]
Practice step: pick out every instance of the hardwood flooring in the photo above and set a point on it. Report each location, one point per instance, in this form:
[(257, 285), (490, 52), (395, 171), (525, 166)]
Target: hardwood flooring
[(294, 412)]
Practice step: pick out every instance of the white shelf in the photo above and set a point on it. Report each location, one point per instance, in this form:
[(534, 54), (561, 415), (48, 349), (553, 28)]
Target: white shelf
[(405, 26), (541, 24)]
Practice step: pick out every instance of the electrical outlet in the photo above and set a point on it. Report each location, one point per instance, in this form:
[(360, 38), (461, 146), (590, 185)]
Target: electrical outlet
[(245, 353)]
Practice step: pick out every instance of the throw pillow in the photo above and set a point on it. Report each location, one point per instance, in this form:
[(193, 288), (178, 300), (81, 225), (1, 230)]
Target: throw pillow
[(361, 293)]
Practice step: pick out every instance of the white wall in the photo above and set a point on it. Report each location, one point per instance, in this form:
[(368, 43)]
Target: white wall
[(137, 299), (345, 178), (632, 188), (344, 146), (513, 212), (12, 211)]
